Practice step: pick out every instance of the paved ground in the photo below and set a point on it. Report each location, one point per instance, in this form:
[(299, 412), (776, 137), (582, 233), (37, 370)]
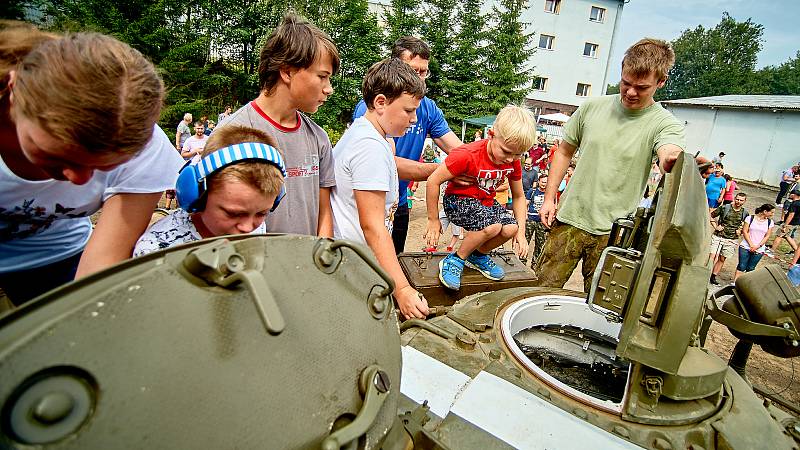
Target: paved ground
[(772, 373)]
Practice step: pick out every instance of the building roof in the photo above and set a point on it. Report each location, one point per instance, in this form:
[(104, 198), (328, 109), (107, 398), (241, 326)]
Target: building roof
[(773, 102)]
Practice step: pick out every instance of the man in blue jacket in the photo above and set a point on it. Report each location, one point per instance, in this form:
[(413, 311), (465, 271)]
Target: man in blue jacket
[(408, 148)]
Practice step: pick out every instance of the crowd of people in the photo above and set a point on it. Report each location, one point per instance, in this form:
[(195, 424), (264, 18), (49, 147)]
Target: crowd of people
[(73, 145)]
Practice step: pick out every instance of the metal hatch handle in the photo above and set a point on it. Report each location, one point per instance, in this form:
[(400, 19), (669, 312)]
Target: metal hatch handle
[(375, 386), (219, 263)]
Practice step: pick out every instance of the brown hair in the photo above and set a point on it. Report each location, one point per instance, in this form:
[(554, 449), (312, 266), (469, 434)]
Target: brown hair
[(262, 176), (392, 78), (649, 56), (415, 46), (85, 89), (295, 43)]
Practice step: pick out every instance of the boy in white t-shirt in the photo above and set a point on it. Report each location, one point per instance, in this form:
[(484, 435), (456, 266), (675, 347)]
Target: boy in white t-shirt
[(194, 144), (366, 193), (237, 200)]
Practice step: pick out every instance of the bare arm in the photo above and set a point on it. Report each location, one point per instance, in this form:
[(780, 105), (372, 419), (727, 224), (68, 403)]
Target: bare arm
[(413, 170), (746, 234), (448, 142), (518, 243), (123, 219), (370, 206), (667, 155), (432, 188), (325, 218), (558, 168), (178, 140)]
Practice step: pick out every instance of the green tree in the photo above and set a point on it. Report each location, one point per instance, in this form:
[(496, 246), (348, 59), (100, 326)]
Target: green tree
[(612, 89), (464, 91), (716, 61), (402, 19), (437, 32), (781, 80), (506, 76), (358, 38)]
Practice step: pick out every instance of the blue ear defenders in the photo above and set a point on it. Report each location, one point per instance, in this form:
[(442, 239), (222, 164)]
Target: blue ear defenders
[(191, 186)]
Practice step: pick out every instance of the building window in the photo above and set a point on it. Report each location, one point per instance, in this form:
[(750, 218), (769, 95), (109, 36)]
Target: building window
[(540, 84), (546, 41), (597, 14), (552, 6), (590, 50), (583, 90)]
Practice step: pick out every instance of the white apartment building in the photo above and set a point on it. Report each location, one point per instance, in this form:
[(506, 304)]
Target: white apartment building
[(573, 41)]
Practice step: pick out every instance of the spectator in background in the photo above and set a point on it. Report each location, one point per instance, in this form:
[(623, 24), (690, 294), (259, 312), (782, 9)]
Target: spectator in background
[(534, 228), (727, 223), (210, 128), (195, 144), (756, 230), (787, 202), (715, 188), (790, 225), (787, 178), (478, 135), (538, 158), (730, 189), (183, 131), (718, 159), (204, 121), (563, 185), (529, 176), (224, 115)]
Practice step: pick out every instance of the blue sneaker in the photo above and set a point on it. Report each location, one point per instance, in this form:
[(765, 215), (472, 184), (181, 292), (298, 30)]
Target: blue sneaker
[(450, 268), (486, 266)]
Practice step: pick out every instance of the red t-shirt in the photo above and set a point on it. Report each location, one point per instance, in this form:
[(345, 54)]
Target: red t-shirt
[(473, 159)]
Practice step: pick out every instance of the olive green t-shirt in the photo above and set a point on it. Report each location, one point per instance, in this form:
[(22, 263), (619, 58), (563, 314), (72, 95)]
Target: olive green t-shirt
[(617, 146)]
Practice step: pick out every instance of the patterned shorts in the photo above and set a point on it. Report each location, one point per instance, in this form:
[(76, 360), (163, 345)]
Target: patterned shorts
[(472, 215)]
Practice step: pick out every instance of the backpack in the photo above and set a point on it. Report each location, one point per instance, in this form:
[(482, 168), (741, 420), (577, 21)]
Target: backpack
[(726, 209)]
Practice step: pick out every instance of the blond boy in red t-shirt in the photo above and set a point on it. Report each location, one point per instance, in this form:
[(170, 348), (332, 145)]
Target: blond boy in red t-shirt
[(473, 207)]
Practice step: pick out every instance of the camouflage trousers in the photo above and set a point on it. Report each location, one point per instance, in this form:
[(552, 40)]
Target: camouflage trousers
[(565, 246), (538, 231)]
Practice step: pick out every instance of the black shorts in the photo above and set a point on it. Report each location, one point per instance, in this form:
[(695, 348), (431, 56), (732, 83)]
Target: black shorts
[(472, 215)]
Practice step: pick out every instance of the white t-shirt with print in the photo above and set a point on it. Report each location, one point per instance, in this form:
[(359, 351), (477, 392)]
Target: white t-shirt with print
[(195, 144), (363, 160), (174, 229), (45, 221)]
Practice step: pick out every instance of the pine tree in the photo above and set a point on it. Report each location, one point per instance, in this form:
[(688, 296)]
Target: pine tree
[(437, 32), (506, 75), (358, 38), (403, 19), (464, 95)]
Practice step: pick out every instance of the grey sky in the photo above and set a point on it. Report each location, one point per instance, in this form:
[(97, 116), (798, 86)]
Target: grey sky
[(668, 19)]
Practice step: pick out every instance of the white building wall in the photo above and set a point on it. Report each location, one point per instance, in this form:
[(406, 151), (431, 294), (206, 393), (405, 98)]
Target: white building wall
[(758, 144), (565, 66)]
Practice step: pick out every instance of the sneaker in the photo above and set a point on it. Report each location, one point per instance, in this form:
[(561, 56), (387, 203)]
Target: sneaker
[(450, 268), (485, 265)]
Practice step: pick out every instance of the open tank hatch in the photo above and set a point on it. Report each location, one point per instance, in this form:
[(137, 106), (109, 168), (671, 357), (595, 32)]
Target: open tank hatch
[(568, 346)]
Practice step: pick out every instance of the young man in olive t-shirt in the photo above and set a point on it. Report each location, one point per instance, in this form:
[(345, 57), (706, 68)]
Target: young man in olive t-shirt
[(618, 136)]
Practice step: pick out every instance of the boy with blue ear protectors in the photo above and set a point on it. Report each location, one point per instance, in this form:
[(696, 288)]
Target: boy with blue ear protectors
[(230, 190)]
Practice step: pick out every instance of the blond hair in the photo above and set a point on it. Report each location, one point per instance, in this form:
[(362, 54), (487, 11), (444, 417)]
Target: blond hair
[(649, 56), (517, 126), (261, 176), (84, 89)]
